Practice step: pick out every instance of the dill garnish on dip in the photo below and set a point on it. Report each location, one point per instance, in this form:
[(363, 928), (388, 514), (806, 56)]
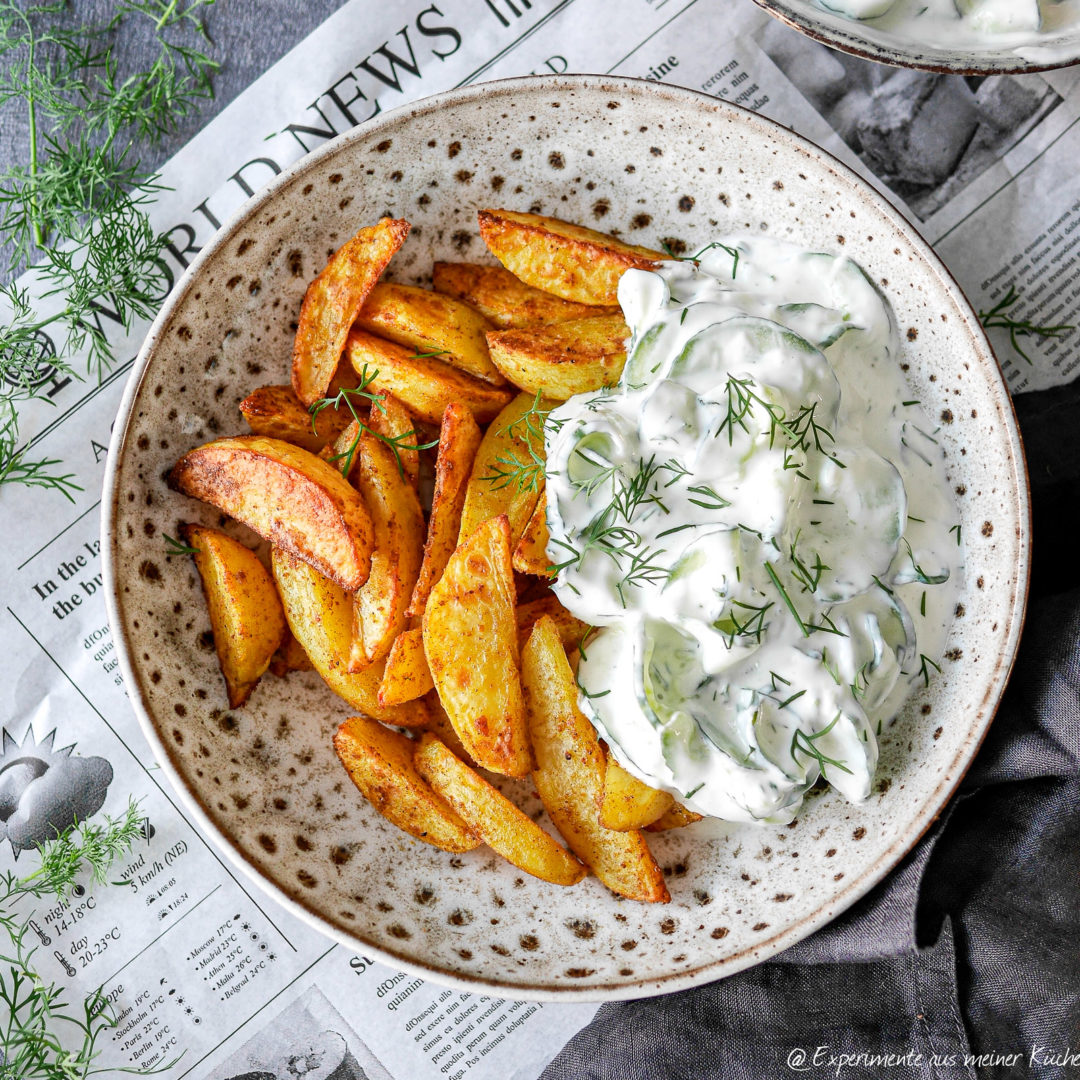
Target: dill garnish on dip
[(757, 520)]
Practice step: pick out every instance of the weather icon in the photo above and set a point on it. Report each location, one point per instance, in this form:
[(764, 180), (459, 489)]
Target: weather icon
[(44, 791)]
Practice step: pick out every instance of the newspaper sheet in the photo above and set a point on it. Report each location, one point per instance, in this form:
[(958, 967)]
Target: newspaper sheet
[(196, 960)]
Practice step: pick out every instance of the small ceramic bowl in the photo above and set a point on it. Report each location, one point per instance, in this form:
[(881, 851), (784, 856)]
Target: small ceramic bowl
[(863, 38), (654, 164)]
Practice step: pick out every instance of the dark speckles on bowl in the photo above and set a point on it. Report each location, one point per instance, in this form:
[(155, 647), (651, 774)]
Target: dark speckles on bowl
[(312, 840)]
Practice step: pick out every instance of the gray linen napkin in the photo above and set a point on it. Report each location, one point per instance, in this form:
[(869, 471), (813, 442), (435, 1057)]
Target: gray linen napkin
[(965, 962)]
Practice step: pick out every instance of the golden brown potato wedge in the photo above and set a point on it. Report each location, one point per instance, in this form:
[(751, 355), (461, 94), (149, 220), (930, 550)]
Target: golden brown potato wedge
[(245, 612), (290, 657), (570, 261), (332, 302), (563, 359), (569, 774), (424, 385), (430, 323), (491, 816), (319, 613), (276, 411), (470, 639), (506, 301), (628, 802), (390, 419), (380, 762), (675, 818), (380, 603), (406, 676), (571, 630), (288, 496), (530, 555), (440, 726), (508, 470), (459, 436)]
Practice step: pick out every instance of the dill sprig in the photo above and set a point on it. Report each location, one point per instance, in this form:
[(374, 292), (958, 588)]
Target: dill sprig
[(177, 547), (807, 745), (345, 397), (612, 534), (999, 316), (733, 252), (76, 207), (45, 1037), (524, 473), (752, 625)]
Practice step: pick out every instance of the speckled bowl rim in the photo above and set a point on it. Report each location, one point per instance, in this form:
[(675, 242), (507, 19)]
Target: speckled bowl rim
[(792, 933), (907, 55)]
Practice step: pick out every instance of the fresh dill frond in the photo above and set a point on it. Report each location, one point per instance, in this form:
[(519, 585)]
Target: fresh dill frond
[(75, 207), (999, 316), (177, 547), (806, 744)]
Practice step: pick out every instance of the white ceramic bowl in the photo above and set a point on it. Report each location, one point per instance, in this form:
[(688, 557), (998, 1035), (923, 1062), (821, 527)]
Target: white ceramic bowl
[(650, 162), (863, 39)]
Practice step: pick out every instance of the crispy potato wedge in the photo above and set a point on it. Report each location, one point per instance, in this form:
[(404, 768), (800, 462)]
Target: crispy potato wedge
[(424, 385), (440, 726), (570, 261), (245, 612), (288, 496), (275, 411), (530, 555), (380, 763), (569, 774), (491, 816), (319, 613), (406, 676), (506, 301), (675, 818), (392, 420), (332, 302), (429, 322), (570, 629), (507, 471), (563, 359), (459, 437), (380, 603), (470, 639), (628, 802), (290, 656)]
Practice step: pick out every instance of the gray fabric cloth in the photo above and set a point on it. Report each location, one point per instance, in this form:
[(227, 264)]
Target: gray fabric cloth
[(973, 943)]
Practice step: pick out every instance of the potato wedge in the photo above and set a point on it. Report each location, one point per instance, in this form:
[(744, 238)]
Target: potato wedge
[(675, 818), (290, 656), (406, 676), (570, 630), (380, 603), (245, 612), (380, 763), (392, 420), (319, 613), (459, 436), (332, 302), (507, 472), (563, 359), (628, 802), (470, 639), (530, 555), (275, 411), (506, 301), (569, 774), (429, 322), (424, 385), (288, 496), (570, 261), (341, 453), (440, 726), (491, 816)]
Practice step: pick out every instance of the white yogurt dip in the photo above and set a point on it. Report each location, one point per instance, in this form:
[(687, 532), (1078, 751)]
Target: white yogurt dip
[(758, 521)]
